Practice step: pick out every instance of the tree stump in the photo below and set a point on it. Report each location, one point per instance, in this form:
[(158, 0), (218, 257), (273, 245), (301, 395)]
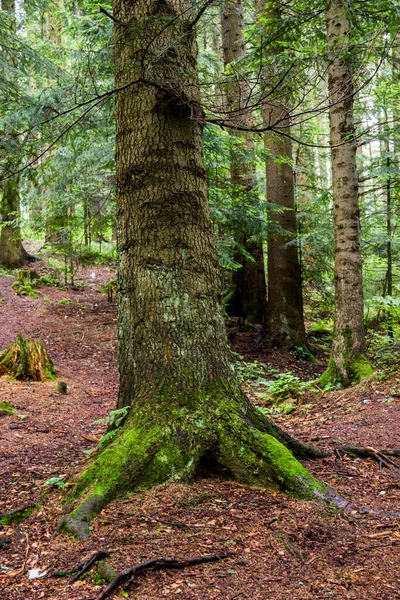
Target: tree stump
[(26, 281), (27, 359)]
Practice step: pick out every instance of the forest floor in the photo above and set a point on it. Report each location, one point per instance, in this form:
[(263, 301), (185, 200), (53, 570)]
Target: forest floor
[(279, 548)]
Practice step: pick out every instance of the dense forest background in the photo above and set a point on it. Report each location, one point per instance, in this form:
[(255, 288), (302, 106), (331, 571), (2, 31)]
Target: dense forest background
[(263, 76)]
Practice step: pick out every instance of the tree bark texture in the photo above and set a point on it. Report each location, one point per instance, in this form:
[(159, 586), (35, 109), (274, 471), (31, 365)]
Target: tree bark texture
[(186, 412), (250, 292), (12, 252), (347, 363), (284, 320)]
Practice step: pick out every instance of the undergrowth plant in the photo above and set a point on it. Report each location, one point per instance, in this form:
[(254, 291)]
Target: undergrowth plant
[(114, 421)]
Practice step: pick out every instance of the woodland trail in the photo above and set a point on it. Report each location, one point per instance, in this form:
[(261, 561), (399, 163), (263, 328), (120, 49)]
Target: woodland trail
[(280, 548)]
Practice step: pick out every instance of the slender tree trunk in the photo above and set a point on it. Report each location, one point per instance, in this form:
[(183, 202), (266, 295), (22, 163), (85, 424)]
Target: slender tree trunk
[(284, 320), (347, 363), (12, 252), (185, 409), (389, 234), (250, 293)]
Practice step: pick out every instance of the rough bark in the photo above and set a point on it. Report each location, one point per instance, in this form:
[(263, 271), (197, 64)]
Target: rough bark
[(284, 320), (347, 363), (187, 414), (12, 252), (249, 296)]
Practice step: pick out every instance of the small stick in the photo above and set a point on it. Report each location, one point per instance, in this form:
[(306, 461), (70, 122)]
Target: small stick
[(82, 567), (154, 563), (96, 557)]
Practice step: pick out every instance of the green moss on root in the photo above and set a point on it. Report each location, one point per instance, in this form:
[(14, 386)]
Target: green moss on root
[(164, 440), (355, 371), (17, 516)]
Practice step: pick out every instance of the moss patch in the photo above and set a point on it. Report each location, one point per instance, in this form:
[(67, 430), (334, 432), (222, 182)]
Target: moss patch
[(179, 438), (18, 515), (352, 374)]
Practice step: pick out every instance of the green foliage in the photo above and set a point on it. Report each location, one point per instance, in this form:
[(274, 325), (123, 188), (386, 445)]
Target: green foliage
[(56, 482), (114, 420), (7, 407), (250, 371)]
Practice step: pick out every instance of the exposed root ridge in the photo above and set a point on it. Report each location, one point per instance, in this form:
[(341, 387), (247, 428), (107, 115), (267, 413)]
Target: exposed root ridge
[(220, 434)]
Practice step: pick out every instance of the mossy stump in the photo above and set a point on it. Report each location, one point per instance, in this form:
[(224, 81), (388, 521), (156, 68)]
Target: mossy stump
[(27, 358), (26, 281)]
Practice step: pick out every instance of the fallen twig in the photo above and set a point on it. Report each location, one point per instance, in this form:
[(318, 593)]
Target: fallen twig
[(128, 575), (380, 456)]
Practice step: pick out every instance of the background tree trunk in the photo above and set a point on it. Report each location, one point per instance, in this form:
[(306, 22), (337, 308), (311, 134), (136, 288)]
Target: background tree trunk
[(250, 293), (12, 252), (284, 320), (347, 362)]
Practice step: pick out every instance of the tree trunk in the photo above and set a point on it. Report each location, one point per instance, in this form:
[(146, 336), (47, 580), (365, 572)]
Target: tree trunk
[(284, 320), (250, 292), (347, 364), (12, 252), (186, 412)]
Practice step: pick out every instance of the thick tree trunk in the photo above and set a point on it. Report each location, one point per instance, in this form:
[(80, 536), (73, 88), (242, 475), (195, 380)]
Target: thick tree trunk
[(284, 320), (12, 252), (186, 411), (347, 363), (250, 292)]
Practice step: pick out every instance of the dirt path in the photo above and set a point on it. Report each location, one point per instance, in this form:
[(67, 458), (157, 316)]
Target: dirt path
[(279, 548)]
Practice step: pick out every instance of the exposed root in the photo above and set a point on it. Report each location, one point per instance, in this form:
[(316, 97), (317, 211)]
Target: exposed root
[(18, 514), (78, 522), (128, 575), (83, 567), (220, 434), (381, 456), (300, 450)]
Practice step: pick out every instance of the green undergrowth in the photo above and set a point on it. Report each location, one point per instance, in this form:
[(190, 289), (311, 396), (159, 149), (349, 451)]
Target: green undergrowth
[(281, 391), (7, 407), (28, 280)]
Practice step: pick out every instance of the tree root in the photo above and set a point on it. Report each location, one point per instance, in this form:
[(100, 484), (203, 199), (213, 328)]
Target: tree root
[(218, 433), (300, 450), (128, 575), (381, 456), (18, 514), (83, 567)]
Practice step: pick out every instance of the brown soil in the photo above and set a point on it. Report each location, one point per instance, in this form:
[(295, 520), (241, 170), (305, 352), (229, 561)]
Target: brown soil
[(279, 548)]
